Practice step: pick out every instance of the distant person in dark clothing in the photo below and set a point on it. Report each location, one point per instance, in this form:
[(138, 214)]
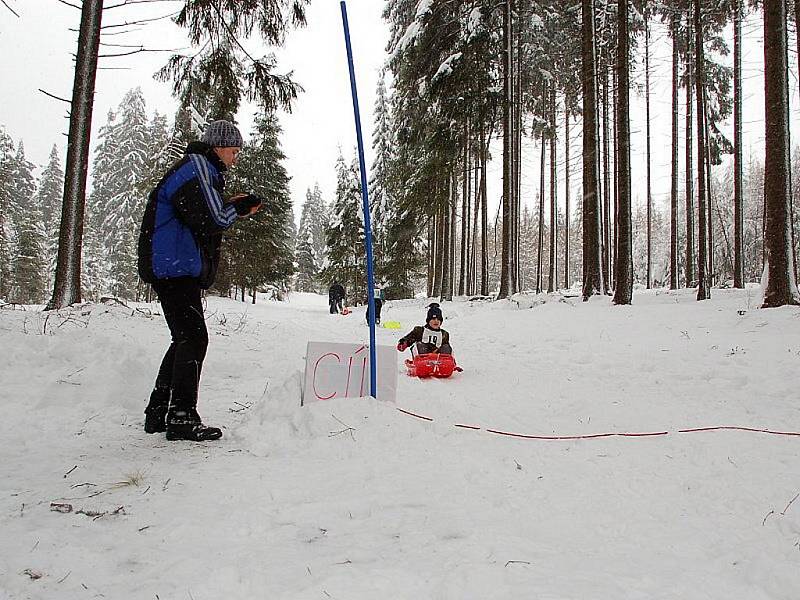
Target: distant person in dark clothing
[(179, 248), (336, 297), (377, 295), (430, 338)]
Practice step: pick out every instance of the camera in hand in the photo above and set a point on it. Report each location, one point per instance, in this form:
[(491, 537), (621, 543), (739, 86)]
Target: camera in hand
[(247, 203)]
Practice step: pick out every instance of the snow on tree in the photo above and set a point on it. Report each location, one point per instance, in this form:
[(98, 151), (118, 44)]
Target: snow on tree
[(311, 247), (259, 251), (48, 201), (346, 261), (30, 267), (6, 166), (123, 174)]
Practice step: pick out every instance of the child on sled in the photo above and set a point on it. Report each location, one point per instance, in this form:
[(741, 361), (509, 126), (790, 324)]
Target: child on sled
[(430, 338)]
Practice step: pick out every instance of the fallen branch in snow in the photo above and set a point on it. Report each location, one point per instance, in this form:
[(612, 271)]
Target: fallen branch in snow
[(242, 407), (64, 379), (83, 429), (70, 471), (64, 577), (783, 512), (94, 514), (112, 300), (521, 562), (347, 429), (61, 507)]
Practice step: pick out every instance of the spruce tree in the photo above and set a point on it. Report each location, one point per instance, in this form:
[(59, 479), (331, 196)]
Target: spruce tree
[(259, 251), (307, 258), (380, 202), (30, 267), (23, 186), (6, 197), (48, 200), (345, 234), (123, 173)]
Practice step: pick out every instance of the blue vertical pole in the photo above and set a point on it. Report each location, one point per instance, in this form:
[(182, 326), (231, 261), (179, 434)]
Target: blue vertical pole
[(373, 379)]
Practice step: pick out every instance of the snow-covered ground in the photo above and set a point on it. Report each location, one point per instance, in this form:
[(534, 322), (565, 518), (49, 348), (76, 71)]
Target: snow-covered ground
[(354, 499)]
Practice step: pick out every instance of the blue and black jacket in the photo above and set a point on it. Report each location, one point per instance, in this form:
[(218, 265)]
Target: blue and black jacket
[(184, 220)]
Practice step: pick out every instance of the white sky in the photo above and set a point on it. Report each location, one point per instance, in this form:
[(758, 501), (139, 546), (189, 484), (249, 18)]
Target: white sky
[(39, 45)]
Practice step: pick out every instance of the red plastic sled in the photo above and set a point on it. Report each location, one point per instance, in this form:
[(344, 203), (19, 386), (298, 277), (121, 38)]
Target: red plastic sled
[(432, 365)]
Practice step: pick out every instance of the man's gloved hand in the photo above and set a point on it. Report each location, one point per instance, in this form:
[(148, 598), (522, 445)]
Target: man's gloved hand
[(246, 204), (401, 346)]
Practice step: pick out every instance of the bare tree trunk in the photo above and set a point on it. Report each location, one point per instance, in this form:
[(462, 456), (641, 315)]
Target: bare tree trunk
[(738, 199), (649, 156), (592, 269), (703, 288), (690, 84), (552, 284), (484, 217), (614, 200), (462, 270), (566, 194), (518, 284), (432, 228), (442, 244), (623, 291), (540, 245), (673, 245), (781, 285), (67, 285), (605, 203), (506, 260), (473, 278)]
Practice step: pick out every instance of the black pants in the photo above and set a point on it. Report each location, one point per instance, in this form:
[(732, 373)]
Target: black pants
[(336, 305), (423, 348), (180, 369), (378, 307)]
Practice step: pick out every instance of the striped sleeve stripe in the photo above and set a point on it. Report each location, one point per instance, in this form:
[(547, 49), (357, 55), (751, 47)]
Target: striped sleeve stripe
[(223, 215)]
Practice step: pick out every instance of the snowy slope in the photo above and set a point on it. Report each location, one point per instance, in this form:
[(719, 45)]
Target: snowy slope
[(353, 499)]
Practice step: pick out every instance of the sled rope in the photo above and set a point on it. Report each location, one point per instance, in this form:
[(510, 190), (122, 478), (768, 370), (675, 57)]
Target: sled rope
[(593, 436)]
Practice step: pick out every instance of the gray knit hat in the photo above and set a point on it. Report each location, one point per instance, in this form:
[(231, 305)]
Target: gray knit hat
[(222, 134)]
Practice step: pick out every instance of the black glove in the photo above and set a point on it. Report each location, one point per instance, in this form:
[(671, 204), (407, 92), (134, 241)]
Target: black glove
[(247, 203)]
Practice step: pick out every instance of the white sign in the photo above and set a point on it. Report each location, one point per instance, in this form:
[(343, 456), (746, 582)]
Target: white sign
[(342, 371)]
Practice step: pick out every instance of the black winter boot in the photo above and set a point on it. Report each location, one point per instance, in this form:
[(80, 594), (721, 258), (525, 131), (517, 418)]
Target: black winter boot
[(156, 411), (185, 424)]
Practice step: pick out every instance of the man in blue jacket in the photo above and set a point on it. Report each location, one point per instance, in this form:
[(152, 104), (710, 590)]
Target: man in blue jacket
[(179, 247)]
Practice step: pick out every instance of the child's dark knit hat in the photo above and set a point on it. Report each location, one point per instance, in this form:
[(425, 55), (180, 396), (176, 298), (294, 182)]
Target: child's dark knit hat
[(434, 312)]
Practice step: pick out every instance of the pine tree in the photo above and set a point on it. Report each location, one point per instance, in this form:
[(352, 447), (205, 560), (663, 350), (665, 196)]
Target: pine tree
[(259, 251), (310, 249), (23, 183), (345, 234), (48, 200), (305, 259), (380, 203), (221, 71), (67, 286), (6, 197), (315, 217), (30, 267), (123, 172)]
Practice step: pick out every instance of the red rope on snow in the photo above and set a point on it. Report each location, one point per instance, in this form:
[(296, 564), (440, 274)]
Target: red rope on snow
[(723, 427), (592, 436), (408, 412)]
